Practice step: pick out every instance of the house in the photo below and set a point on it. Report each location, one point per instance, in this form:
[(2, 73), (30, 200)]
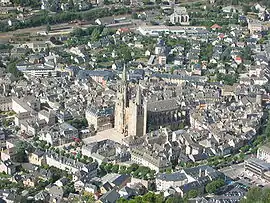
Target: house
[(71, 165), (229, 9), (215, 27), (5, 2), (106, 187), (165, 181), (228, 193), (44, 174), (60, 133), (9, 154), (62, 182), (263, 152), (110, 197), (42, 196), (180, 15), (147, 158), (254, 26), (56, 194), (7, 167), (29, 181), (5, 104), (120, 181), (90, 188), (37, 157), (127, 192)]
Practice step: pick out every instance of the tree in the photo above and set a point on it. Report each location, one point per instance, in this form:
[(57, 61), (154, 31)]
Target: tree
[(11, 68), (257, 195), (174, 200), (214, 186), (134, 167), (192, 193), (108, 167), (95, 34), (115, 168)]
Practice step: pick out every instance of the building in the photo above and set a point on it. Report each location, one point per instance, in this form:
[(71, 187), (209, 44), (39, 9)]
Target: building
[(5, 2), (257, 166), (180, 15), (5, 103), (38, 70), (254, 26), (70, 165), (37, 157), (7, 167), (130, 115), (30, 181), (136, 116), (100, 118), (150, 159), (165, 181), (165, 113), (263, 153), (60, 133), (158, 30)]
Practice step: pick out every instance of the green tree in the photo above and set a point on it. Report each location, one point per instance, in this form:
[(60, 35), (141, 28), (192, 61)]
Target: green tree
[(115, 168), (192, 193), (257, 195), (95, 34), (174, 200), (214, 186), (11, 68)]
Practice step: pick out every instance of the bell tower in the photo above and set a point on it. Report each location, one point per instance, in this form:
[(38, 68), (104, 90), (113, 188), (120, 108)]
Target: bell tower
[(121, 104), (136, 122)]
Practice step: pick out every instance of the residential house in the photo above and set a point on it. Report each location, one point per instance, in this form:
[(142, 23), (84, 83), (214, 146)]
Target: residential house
[(29, 181), (37, 157), (110, 197), (164, 181), (7, 167)]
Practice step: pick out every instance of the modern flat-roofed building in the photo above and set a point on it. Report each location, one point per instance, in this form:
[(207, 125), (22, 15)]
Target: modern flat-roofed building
[(39, 70), (257, 166), (157, 30)]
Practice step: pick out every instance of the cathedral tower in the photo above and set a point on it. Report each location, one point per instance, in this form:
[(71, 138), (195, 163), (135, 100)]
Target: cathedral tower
[(136, 118), (121, 105), (130, 114)]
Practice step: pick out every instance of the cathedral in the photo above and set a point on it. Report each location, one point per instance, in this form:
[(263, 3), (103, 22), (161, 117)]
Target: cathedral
[(130, 113)]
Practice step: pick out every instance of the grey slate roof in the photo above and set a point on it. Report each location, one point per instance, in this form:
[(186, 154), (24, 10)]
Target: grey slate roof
[(110, 197), (178, 176), (163, 105)]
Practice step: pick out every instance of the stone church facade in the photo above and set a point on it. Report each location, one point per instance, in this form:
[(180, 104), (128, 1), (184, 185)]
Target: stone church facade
[(130, 114), (135, 116)]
